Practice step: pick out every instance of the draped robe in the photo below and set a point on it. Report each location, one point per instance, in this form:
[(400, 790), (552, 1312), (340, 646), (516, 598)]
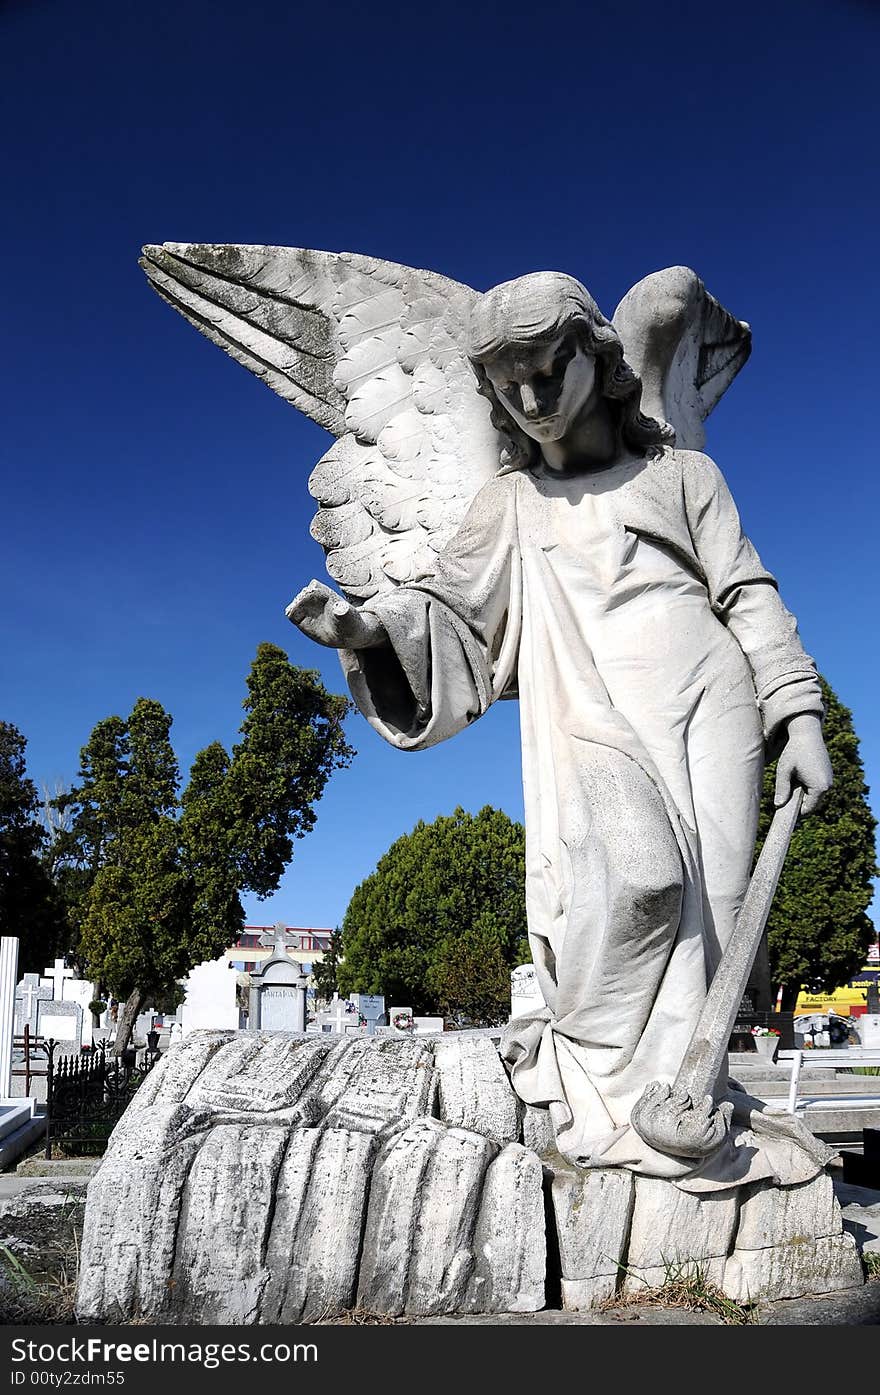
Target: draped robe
[(653, 658)]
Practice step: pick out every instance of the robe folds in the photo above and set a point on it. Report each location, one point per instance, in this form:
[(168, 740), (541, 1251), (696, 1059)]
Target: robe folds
[(654, 660)]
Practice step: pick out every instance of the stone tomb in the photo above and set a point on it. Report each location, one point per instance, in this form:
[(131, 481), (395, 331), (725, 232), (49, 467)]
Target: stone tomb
[(271, 1178), (278, 991)]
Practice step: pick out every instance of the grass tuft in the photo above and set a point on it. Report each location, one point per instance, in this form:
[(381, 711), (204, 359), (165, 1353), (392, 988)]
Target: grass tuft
[(684, 1286)]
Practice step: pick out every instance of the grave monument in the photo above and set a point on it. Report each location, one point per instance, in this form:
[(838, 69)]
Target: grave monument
[(517, 505)]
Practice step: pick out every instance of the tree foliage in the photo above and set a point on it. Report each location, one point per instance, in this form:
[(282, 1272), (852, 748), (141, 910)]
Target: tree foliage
[(442, 920), (818, 930), (153, 878), (325, 971), (29, 907)]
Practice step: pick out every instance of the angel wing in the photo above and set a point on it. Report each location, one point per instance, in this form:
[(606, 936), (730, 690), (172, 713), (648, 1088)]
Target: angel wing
[(686, 348), (375, 353)]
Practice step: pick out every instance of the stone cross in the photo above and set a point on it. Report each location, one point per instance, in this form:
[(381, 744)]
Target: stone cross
[(28, 993), (278, 938), (8, 971), (58, 973)]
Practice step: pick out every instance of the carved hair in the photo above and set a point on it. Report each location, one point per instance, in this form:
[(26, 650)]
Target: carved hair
[(534, 309)]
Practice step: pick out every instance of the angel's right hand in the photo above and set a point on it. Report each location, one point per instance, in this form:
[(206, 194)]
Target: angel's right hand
[(329, 619)]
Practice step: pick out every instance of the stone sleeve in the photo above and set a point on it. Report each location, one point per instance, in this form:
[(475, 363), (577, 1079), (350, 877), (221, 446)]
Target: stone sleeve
[(745, 597), (452, 637)]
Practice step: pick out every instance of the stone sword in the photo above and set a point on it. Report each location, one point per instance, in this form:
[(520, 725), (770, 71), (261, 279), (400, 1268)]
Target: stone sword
[(683, 1118)]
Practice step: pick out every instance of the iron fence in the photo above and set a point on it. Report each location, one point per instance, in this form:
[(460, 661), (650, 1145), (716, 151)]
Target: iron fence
[(87, 1094)]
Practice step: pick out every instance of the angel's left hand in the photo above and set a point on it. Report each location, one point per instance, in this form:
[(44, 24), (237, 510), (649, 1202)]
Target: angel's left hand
[(804, 761)]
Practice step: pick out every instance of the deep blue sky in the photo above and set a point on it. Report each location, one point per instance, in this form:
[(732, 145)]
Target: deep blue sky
[(156, 505)]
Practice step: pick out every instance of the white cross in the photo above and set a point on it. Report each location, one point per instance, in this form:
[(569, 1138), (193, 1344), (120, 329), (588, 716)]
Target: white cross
[(31, 992), (58, 974), (340, 1014)]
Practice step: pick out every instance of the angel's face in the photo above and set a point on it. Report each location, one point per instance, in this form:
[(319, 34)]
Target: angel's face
[(545, 387)]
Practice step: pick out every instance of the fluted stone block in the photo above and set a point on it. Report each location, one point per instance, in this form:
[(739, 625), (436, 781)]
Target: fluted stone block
[(510, 1243), (225, 1213), (418, 1252), (314, 1245)]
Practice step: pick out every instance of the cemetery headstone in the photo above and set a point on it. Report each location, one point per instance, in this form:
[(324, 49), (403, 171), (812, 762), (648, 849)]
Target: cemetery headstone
[(58, 974), (370, 1006), (29, 993), (8, 971), (80, 990), (869, 1030), (61, 1022), (278, 990), (210, 1000), (428, 1026)]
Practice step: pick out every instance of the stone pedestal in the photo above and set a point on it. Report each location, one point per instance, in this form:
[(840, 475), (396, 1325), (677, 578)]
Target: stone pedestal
[(263, 1177)]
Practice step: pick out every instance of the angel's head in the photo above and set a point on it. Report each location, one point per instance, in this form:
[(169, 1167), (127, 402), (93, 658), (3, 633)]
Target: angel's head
[(544, 355)]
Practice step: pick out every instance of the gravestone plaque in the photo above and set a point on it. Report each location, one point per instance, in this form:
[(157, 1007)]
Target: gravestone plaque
[(280, 1008), (61, 1022)]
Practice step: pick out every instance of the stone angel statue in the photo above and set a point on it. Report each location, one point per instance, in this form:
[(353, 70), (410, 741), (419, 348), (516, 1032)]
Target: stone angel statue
[(517, 505)]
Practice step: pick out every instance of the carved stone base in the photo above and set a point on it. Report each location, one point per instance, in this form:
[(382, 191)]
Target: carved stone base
[(268, 1178)]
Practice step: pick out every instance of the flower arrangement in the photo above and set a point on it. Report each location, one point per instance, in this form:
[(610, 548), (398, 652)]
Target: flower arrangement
[(764, 1032), (402, 1021)]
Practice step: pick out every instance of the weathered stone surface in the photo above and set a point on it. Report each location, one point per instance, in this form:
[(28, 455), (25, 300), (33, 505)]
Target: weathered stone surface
[(315, 1239), (274, 1077), (130, 1226), (790, 1242), (272, 1178), (170, 1081), (370, 1085), (537, 1130), (791, 1271), (672, 1229), (592, 1211), (777, 1215), (424, 1198), (510, 1244), (224, 1218), (474, 1088)]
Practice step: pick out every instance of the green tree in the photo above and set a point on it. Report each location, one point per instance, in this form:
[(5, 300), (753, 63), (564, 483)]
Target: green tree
[(325, 971), (29, 907), (154, 878), (440, 916), (818, 931)]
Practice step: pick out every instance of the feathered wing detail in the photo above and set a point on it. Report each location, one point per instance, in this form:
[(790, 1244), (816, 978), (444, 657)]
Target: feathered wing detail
[(686, 348), (374, 352)]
